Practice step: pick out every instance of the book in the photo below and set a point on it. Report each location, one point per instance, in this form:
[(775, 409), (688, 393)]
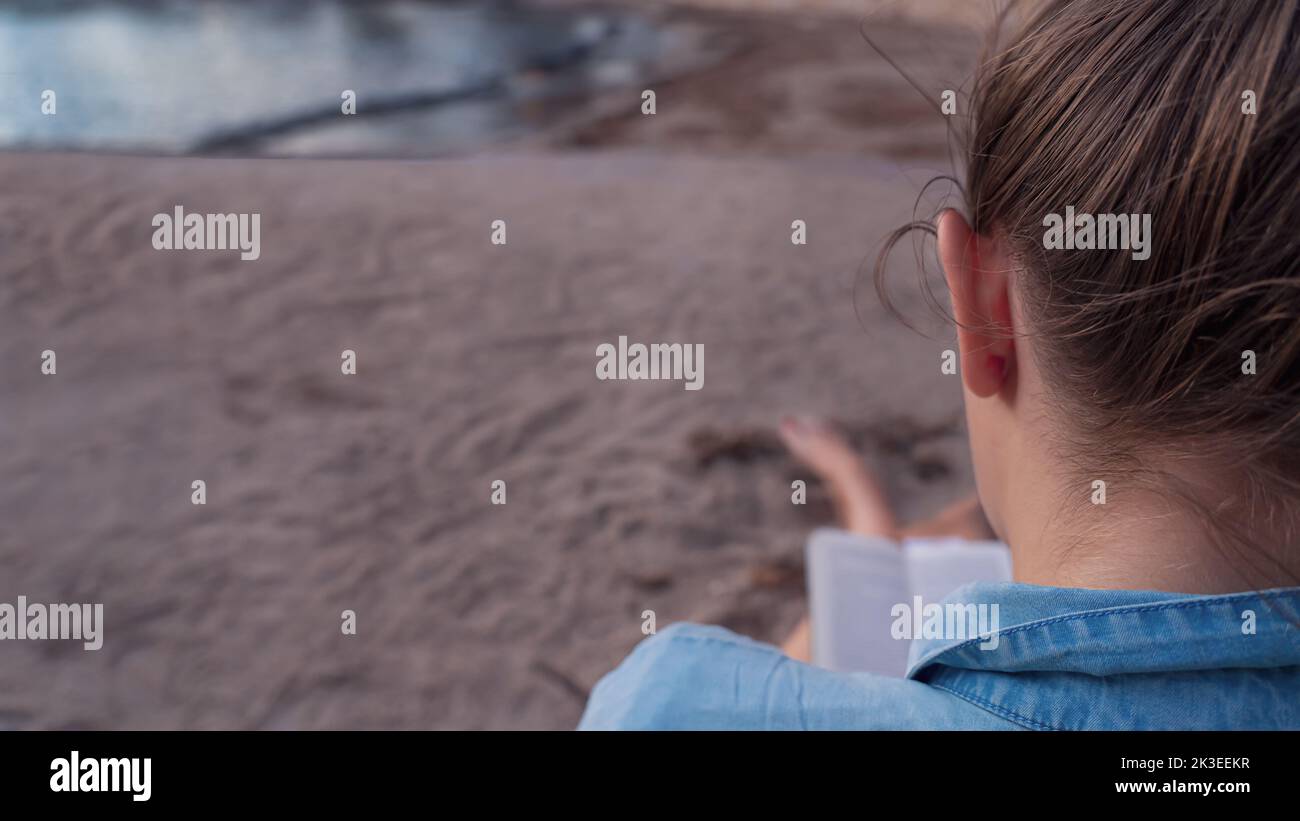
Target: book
[(855, 584)]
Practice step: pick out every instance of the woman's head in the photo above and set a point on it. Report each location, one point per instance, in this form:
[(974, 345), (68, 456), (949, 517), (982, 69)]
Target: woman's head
[(1168, 367)]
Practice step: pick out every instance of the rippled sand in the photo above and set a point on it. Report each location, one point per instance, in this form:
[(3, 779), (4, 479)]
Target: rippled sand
[(476, 362)]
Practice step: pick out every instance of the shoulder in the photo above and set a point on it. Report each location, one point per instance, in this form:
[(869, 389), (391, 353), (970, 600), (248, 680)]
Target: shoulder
[(690, 676), (687, 675)]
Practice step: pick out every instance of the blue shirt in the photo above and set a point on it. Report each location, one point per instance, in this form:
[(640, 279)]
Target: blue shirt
[(1064, 659)]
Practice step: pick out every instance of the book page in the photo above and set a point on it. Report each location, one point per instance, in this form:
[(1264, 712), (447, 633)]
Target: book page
[(937, 567), (853, 582)]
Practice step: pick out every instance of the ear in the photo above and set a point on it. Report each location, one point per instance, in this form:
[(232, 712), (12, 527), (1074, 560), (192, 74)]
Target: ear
[(978, 277)]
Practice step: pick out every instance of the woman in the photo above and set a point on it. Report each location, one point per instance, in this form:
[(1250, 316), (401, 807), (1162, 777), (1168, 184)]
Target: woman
[(1162, 368)]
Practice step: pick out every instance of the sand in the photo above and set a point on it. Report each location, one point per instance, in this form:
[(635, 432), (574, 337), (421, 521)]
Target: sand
[(476, 362)]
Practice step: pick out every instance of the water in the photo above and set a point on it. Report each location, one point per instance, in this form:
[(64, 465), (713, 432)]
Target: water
[(266, 76)]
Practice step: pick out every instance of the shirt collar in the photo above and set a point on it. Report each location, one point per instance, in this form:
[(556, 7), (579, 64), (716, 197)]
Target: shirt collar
[(1105, 632)]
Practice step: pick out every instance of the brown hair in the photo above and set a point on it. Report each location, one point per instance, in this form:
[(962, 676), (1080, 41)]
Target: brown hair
[(1136, 107)]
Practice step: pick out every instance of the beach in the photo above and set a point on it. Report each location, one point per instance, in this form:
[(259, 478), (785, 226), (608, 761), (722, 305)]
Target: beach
[(475, 363)]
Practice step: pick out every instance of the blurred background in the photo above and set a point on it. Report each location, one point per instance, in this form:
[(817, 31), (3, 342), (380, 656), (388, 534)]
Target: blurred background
[(475, 362)]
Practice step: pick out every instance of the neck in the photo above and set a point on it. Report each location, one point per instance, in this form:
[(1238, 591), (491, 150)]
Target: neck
[(1134, 540)]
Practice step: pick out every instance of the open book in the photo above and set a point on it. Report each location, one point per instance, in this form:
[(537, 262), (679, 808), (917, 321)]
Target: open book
[(854, 582)]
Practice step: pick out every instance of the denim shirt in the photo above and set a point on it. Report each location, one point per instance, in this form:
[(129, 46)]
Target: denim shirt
[(1064, 659)]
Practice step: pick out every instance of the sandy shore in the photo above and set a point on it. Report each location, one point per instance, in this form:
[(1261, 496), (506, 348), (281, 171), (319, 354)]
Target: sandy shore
[(476, 362)]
